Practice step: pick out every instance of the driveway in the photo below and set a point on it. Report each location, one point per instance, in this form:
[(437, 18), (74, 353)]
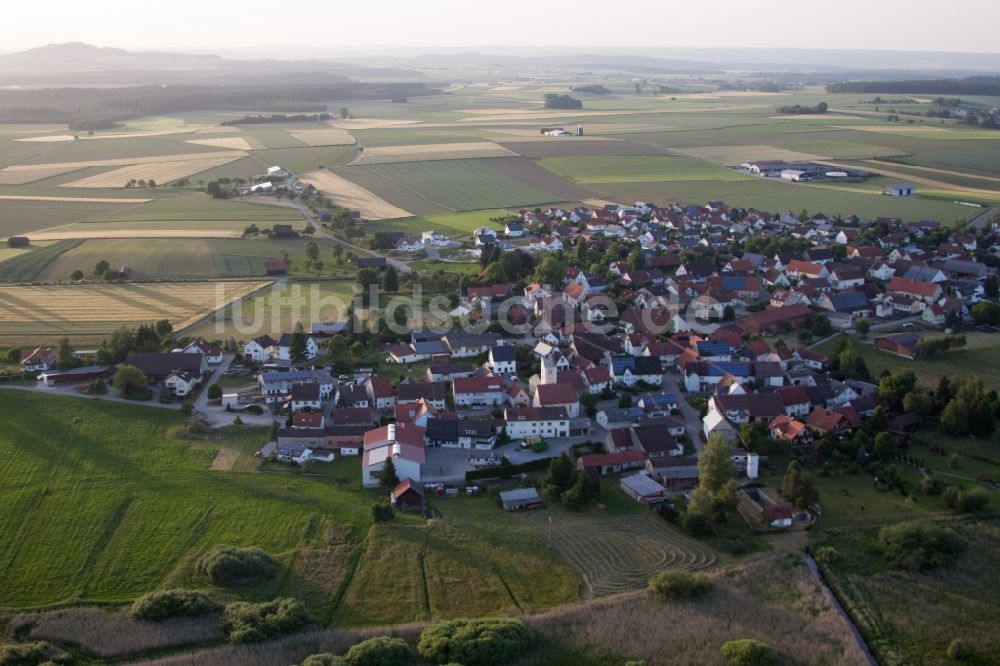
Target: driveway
[(692, 419), (516, 455), (71, 392), (201, 402)]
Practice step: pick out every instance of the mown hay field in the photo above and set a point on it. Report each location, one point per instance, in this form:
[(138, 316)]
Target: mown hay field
[(159, 172), (462, 185), (620, 553), (57, 310), (473, 561), (345, 193)]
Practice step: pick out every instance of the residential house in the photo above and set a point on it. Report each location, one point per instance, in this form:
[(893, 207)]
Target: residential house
[(470, 391), (503, 360), (39, 360), (632, 370), (402, 443), (531, 422)]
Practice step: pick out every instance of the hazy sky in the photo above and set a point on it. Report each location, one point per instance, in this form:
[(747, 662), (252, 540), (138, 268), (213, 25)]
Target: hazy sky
[(592, 25)]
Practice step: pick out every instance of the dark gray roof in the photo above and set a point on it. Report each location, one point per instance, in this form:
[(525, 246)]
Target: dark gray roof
[(503, 353)]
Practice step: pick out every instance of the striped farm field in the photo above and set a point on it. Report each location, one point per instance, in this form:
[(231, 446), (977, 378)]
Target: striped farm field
[(160, 172), (145, 257), (616, 554), (637, 168), (46, 312), (461, 185)]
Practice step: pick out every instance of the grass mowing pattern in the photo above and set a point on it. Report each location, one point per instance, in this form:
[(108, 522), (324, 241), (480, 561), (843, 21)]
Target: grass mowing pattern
[(621, 553), (463, 185), (25, 267), (94, 516), (474, 561)]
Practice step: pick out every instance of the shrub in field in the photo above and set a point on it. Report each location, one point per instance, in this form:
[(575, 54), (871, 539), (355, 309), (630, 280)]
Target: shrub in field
[(31, 654), (972, 500), (676, 585), (324, 659), (228, 565), (157, 606), (958, 650), (380, 651), (214, 392), (382, 513), (246, 622), (696, 524), (916, 546), (750, 652), (486, 642)]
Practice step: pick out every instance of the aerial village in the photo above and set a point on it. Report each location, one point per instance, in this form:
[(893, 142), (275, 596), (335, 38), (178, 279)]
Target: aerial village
[(698, 321)]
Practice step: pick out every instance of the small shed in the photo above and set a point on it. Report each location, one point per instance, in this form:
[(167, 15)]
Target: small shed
[(643, 489), (900, 190), (230, 400), (408, 494), (520, 498), (779, 516), (275, 267)]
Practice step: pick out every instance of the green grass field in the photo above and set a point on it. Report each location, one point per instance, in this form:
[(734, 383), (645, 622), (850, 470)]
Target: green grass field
[(958, 601), (26, 266), (276, 310), (462, 185), (201, 207), (92, 517), (979, 358), (637, 169), (23, 217), (456, 224)]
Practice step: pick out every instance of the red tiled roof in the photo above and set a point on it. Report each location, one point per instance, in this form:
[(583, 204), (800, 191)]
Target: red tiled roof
[(555, 394)]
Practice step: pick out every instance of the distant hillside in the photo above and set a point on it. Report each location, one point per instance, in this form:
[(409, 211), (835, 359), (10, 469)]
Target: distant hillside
[(973, 85), (84, 64), (78, 105)]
